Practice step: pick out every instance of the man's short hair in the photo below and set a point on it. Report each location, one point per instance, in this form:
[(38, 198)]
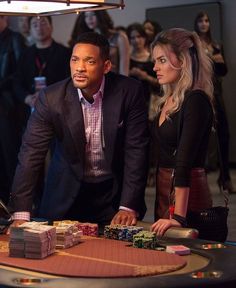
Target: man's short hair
[(48, 17), (96, 40)]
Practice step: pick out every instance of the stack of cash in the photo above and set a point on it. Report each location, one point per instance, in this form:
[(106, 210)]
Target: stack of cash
[(89, 229), (16, 242), (32, 240), (67, 234)]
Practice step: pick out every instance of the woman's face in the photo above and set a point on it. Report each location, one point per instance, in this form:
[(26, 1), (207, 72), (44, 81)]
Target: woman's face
[(91, 20), (166, 65), (137, 41), (203, 24), (150, 31)]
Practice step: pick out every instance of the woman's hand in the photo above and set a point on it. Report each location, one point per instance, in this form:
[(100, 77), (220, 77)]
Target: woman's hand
[(162, 225), (218, 58)]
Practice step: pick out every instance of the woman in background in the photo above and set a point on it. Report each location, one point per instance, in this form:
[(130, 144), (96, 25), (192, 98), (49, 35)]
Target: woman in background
[(141, 64), (215, 52), (152, 28), (141, 68), (182, 127), (101, 22)]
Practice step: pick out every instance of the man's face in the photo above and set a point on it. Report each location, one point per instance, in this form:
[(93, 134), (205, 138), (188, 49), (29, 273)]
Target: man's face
[(23, 24), (87, 68), (40, 29)]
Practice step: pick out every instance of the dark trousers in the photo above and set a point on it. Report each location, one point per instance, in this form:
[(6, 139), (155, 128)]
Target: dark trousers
[(9, 148), (95, 203)]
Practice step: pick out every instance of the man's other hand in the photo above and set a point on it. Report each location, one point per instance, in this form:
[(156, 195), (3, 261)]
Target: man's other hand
[(125, 218)]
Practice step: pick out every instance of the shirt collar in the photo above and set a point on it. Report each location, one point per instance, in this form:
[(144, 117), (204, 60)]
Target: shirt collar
[(100, 92)]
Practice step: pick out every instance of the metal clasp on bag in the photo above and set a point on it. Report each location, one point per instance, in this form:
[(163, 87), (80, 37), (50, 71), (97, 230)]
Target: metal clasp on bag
[(204, 213)]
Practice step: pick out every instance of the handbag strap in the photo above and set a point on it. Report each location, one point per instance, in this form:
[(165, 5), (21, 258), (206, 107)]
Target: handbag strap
[(221, 186)]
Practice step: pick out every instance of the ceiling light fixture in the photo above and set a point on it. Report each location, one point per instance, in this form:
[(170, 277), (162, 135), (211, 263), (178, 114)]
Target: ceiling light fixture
[(54, 7)]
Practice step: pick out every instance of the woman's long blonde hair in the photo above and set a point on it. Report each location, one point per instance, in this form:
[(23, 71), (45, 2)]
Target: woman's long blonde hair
[(196, 68)]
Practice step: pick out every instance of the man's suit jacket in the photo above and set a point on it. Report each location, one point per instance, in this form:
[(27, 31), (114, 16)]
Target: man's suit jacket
[(59, 114)]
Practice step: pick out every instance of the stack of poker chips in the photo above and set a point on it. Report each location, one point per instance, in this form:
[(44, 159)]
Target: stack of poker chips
[(121, 232), (89, 229), (145, 239), (68, 235), (32, 240)]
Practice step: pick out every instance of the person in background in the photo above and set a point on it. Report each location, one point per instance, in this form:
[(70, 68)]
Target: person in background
[(152, 28), (182, 127), (11, 47), (101, 22), (99, 166), (141, 64), (215, 52), (121, 28), (42, 64), (141, 68), (24, 29)]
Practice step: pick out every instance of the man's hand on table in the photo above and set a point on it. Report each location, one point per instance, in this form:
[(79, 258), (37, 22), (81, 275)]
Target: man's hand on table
[(15, 223), (125, 218)]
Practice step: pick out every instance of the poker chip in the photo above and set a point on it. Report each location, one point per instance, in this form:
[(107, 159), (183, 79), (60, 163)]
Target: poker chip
[(145, 239), (88, 229), (121, 232)]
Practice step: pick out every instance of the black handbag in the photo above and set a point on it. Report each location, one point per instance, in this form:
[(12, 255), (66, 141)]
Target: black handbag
[(5, 218), (211, 223)]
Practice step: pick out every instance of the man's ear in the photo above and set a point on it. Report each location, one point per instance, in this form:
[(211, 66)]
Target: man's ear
[(107, 66)]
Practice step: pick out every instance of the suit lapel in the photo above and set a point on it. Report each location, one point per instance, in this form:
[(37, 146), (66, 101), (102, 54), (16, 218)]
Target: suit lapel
[(112, 101), (74, 119)]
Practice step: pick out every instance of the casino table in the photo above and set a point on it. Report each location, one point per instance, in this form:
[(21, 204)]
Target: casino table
[(210, 264)]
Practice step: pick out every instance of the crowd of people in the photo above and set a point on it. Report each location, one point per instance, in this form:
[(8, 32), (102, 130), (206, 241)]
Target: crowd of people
[(85, 128)]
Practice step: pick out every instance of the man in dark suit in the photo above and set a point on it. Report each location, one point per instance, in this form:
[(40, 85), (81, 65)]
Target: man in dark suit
[(98, 170)]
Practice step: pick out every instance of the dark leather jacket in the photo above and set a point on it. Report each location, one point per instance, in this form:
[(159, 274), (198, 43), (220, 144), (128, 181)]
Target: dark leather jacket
[(11, 46)]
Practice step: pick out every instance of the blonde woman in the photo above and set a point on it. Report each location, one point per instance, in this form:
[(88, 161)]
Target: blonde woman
[(182, 128)]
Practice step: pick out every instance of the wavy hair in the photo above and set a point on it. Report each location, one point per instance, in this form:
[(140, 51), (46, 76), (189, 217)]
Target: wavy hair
[(196, 68), (105, 24)]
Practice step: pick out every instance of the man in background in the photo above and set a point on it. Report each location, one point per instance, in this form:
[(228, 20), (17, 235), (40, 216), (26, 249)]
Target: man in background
[(42, 64), (11, 46)]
